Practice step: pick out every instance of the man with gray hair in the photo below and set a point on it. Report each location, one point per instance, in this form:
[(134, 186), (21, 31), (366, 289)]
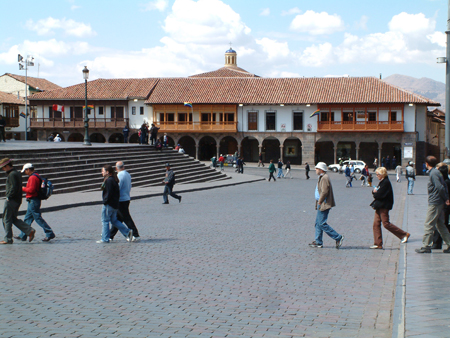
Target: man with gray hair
[(324, 202), (123, 215)]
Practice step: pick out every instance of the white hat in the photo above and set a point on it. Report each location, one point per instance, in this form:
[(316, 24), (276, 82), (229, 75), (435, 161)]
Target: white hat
[(27, 166), (410, 162), (322, 166)]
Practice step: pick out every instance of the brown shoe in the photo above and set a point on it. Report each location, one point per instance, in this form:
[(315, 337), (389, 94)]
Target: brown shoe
[(31, 235), (405, 239), (5, 242)]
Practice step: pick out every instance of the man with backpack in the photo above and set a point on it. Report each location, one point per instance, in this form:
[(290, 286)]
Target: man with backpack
[(410, 176), (34, 197), (169, 182)]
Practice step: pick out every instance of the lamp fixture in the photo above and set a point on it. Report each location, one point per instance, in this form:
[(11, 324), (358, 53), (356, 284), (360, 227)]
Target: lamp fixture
[(411, 104), (282, 105), (308, 105), (241, 105)]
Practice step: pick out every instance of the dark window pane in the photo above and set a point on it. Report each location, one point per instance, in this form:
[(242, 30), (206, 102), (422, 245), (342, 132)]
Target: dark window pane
[(270, 121), (298, 121)]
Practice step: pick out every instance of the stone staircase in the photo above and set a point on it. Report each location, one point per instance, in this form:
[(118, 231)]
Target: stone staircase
[(79, 169)]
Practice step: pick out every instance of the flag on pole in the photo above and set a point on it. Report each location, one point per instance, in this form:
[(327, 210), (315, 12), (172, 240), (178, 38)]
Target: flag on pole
[(188, 104), (57, 107), (22, 114), (90, 106), (315, 113)]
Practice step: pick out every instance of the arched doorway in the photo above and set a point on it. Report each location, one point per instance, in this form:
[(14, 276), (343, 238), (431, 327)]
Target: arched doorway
[(250, 149), (116, 138), (97, 138), (188, 145), (271, 149), (368, 151), (346, 150), (207, 148), (392, 150), (170, 141), (324, 152), (292, 150), (228, 145), (134, 138), (75, 137)]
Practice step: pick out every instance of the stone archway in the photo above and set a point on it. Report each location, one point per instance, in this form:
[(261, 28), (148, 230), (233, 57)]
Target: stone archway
[(170, 141), (116, 138), (250, 149), (368, 152), (271, 149), (228, 145), (188, 144), (207, 148), (324, 152), (292, 150), (75, 137), (134, 138), (392, 150), (346, 150), (97, 138)]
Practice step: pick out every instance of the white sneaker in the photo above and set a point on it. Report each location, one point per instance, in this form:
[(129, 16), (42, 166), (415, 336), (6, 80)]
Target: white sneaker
[(136, 239), (101, 241), (130, 235)]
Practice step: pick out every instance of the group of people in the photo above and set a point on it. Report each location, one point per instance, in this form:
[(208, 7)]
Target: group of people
[(148, 135), (116, 189), (53, 138)]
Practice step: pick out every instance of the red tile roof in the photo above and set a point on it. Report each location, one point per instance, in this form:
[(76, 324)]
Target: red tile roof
[(227, 72), (35, 82), (281, 91), (11, 98), (103, 89)]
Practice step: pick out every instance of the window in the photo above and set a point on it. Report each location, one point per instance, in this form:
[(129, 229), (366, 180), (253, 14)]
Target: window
[(252, 120), (372, 116), (206, 117), (100, 110), (271, 120), (298, 120), (161, 117), (229, 117), (133, 110), (141, 110), (170, 117), (78, 113), (324, 116), (117, 112), (50, 111), (184, 117), (393, 116), (347, 116)]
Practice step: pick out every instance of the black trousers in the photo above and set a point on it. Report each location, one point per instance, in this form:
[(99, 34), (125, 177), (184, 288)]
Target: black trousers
[(307, 174), (152, 139), (123, 215), (271, 176)]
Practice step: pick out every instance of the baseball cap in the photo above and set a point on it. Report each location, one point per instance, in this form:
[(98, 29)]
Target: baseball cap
[(27, 166)]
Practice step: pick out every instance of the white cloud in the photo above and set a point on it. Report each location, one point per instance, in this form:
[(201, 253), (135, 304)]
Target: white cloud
[(273, 48), (291, 11), (265, 12), (438, 38), (70, 27), (317, 55), (411, 23), (362, 23), (159, 5), (317, 23)]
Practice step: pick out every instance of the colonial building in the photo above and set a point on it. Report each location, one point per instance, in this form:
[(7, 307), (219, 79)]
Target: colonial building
[(12, 95), (234, 110)]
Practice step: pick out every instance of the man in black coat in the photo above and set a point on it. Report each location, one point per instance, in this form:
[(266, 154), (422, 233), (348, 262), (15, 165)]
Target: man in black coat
[(169, 182)]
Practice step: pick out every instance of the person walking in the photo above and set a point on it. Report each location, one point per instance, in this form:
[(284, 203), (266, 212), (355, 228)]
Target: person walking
[(437, 239), (348, 176), (221, 162), (398, 172), (165, 140), (123, 214), (153, 134), (143, 134), (13, 194), (125, 132), (437, 198), (280, 169), (382, 203), (324, 202), (260, 162), (111, 196), (57, 138), (34, 204), (364, 175), (375, 164), (307, 169), (410, 176), (169, 182), (2, 128), (288, 169), (271, 171), (241, 165)]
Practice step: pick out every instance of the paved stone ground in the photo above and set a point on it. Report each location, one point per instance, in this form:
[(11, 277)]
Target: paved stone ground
[(228, 262)]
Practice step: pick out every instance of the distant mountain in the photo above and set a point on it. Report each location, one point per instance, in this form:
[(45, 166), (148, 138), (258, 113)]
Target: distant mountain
[(429, 88)]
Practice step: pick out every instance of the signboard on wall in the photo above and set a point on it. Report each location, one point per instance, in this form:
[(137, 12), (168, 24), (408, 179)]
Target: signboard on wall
[(408, 152), (283, 127)]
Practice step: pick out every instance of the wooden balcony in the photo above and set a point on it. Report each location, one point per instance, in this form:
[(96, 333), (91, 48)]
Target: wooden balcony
[(59, 123), (198, 127), (360, 126), (12, 122)]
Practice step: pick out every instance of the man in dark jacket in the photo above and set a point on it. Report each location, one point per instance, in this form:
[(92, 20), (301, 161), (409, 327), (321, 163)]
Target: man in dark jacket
[(437, 239), (169, 182), (153, 134), (12, 204), (307, 169), (410, 176), (437, 198)]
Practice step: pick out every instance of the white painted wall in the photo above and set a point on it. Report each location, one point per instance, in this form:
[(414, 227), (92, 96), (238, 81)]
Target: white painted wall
[(421, 122), (410, 118), (12, 86)]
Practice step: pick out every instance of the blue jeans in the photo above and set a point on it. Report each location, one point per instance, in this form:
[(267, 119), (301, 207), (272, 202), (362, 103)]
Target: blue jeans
[(109, 214), (280, 173), (34, 214), (410, 185), (321, 226)]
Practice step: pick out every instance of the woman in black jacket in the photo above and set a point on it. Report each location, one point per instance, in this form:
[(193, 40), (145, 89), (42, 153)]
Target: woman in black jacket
[(383, 202), (111, 196)]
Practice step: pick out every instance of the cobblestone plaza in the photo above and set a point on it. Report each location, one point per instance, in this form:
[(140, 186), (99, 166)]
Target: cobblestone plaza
[(227, 262)]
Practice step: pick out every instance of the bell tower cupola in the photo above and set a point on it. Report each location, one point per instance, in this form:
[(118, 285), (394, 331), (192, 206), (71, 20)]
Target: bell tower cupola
[(230, 58)]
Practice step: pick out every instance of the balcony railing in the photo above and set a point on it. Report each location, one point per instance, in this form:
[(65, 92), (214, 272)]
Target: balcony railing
[(77, 123), (200, 127), (360, 126), (12, 121)]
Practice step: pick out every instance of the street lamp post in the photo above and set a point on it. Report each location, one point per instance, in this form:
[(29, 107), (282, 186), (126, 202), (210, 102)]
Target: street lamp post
[(23, 64), (86, 119)]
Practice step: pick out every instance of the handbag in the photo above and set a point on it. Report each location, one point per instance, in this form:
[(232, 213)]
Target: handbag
[(376, 204)]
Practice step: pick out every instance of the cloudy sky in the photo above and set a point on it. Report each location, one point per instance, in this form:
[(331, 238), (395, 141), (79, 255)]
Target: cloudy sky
[(172, 38)]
